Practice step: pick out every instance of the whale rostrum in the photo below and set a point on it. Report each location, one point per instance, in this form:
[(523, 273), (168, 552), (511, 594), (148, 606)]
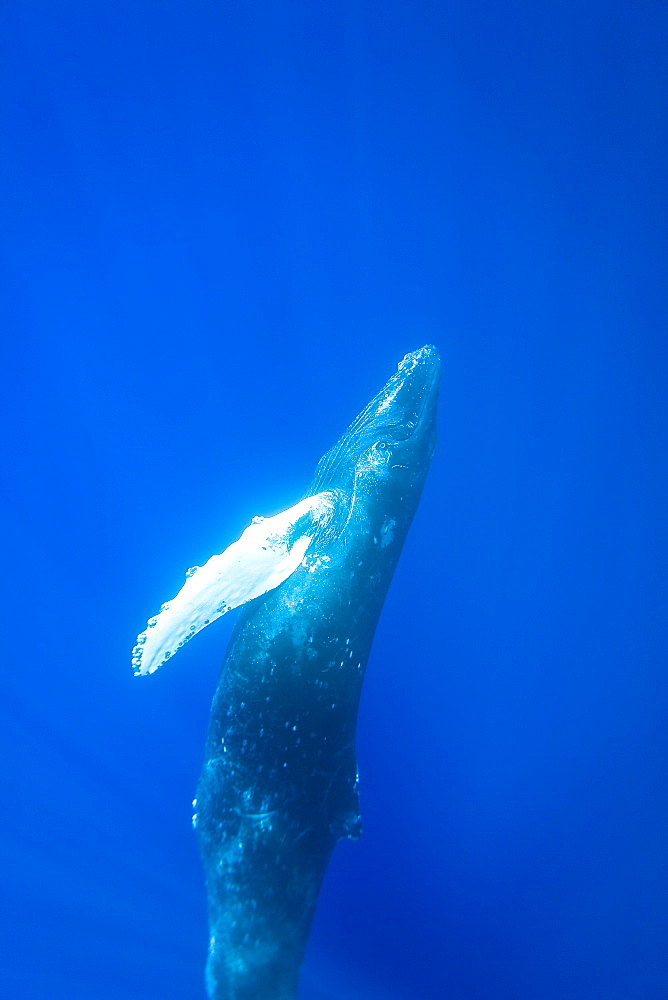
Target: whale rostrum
[(279, 783)]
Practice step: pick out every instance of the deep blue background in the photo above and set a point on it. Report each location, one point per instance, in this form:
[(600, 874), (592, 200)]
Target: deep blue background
[(224, 224)]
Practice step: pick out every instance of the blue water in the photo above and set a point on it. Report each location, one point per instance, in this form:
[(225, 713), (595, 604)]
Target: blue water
[(224, 224)]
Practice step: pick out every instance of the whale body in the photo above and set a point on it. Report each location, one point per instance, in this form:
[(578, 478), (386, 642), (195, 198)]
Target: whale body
[(279, 784)]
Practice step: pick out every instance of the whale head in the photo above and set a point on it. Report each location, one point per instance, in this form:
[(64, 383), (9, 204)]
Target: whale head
[(393, 438)]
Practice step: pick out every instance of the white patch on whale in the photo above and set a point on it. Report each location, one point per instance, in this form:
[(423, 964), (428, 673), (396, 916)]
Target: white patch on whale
[(268, 552), (387, 532)]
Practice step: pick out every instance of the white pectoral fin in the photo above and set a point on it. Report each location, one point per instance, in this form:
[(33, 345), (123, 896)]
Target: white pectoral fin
[(267, 553)]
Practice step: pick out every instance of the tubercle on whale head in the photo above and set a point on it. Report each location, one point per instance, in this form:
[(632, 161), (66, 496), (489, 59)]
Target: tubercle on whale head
[(396, 430)]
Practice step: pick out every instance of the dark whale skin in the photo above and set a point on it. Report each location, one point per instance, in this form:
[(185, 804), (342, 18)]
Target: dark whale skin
[(279, 783)]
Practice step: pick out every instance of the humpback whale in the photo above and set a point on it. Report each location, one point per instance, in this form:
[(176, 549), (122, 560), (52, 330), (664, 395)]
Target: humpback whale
[(279, 784)]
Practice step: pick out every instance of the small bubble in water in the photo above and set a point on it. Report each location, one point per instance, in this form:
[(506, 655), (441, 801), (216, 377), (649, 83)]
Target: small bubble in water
[(193, 627)]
